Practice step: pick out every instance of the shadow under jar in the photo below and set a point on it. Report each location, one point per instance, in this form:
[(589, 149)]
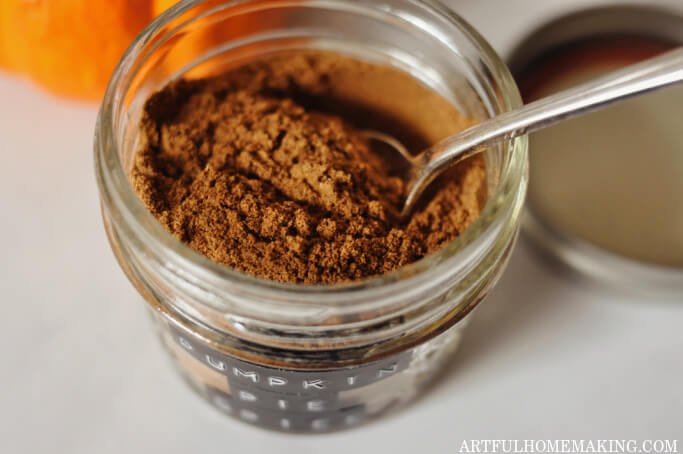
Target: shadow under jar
[(293, 357)]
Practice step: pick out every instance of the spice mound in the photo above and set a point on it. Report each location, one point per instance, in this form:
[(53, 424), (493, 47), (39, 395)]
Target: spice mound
[(262, 169)]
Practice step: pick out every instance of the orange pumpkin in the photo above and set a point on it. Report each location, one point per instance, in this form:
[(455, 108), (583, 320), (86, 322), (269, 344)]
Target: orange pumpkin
[(69, 47)]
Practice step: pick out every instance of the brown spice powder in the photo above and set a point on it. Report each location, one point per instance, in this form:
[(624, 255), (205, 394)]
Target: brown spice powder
[(262, 168)]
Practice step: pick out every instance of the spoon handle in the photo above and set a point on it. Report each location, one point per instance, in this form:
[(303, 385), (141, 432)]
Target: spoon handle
[(658, 72), (654, 73)]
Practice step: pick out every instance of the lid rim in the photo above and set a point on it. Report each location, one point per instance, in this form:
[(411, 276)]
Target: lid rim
[(590, 261)]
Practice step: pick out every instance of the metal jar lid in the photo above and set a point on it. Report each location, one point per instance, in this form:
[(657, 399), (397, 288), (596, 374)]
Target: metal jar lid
[(581, 27)]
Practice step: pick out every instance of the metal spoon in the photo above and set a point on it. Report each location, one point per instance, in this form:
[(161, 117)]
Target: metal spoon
[(655, 73)]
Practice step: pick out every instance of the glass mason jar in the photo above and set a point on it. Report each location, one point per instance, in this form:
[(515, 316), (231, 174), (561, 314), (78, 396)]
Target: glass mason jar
[(293, 357)]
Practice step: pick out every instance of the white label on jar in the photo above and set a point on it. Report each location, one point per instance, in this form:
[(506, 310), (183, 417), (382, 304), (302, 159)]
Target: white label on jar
[(277, 381), (320, 424), (315, 384), (291, 399), (387, 371), (215, 363), (316, 405), (248, 415), (186, 345), (247, 396), (253, 376)]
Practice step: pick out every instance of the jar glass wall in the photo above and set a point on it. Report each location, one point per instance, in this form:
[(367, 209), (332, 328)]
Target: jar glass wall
[(293, 357)]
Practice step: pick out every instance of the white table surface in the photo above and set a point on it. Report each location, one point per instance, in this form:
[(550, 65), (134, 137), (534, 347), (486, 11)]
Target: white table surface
[(546, 357)]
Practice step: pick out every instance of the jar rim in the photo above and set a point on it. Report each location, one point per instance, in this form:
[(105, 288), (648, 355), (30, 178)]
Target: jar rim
[(117, 191)]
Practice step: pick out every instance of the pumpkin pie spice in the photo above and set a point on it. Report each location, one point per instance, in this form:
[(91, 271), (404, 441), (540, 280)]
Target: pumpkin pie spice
[(263, 169)]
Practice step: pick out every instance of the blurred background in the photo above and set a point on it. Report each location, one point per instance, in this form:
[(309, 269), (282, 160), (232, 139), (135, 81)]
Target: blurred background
[(550, 354)]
